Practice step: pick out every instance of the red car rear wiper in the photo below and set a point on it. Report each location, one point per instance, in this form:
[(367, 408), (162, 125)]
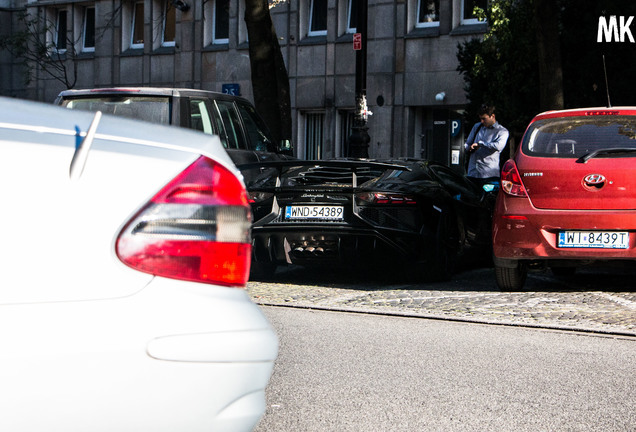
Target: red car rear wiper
[(606, 151)]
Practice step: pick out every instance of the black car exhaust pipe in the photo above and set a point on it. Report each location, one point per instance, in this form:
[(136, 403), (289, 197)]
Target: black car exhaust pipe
[(316, 251)]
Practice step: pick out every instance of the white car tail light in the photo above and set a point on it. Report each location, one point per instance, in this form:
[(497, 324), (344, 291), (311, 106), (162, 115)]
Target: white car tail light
[(196, 228), (511, 180)]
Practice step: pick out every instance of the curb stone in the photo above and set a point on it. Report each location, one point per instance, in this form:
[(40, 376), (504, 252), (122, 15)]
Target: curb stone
[(591, 302)]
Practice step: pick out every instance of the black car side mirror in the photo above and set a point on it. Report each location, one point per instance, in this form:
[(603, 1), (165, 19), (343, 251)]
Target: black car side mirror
[(490, 191), (285, 147)]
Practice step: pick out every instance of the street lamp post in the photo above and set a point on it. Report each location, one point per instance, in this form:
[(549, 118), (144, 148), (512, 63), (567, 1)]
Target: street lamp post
[(359, 139)]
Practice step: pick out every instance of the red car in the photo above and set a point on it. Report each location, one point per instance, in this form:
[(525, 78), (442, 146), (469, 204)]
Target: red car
[(568, 197)]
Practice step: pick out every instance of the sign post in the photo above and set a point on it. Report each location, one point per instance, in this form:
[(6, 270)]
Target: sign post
[(357, 41), (359, 140)]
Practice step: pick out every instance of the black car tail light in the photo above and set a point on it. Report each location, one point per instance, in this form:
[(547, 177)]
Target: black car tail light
[(511, 180), (196, 228), (384, 198)]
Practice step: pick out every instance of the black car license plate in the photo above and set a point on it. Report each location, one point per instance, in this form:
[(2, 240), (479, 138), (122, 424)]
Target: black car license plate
[(312, 212)]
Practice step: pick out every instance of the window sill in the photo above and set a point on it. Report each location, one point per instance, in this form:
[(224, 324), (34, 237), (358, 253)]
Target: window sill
[(345, 38), (87, 55), (133, 52), (217, 47), (423, 32), (58, 56), (313, 40), (165, 50), (469, 29)]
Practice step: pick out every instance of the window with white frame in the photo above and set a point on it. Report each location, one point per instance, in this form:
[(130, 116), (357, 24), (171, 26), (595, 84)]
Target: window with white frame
[(88, 29), (137, 26), (221, 22), (169, 24), (468, 8), (242, 27), (57, 30), (317, 18), (60, 31), (352, 16), (427, 13), (314, 126), (216, 22), (347, 16)]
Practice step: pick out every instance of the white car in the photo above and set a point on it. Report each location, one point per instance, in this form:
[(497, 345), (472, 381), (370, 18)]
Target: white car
[(125, 251)]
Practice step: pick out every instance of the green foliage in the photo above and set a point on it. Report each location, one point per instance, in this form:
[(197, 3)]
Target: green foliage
[(501, 69)]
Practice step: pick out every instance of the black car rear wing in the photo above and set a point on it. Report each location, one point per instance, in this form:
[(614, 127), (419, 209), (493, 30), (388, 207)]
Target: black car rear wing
[(327, 171)]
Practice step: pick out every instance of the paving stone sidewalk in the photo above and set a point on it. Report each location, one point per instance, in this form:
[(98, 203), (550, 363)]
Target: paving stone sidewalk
[(595, 301)]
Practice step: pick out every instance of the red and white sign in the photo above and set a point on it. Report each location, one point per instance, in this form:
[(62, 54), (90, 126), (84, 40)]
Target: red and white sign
[(357, 41)]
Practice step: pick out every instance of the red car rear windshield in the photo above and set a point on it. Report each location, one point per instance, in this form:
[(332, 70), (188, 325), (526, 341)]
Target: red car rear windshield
[(148, 108), (573, 137)]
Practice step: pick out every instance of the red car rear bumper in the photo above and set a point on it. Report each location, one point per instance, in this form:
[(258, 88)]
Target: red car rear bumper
[(521, 231)]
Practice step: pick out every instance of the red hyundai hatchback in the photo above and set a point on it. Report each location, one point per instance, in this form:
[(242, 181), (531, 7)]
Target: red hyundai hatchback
[(568, 197)]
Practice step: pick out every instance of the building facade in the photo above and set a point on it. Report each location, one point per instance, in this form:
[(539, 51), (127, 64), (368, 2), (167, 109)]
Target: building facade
[(414, 91)]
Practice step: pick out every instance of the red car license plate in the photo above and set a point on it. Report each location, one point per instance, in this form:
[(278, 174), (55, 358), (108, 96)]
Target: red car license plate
[(594, 239)]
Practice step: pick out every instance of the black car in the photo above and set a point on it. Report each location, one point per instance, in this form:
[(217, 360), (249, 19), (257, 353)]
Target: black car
[(404, 214), (234, 119)]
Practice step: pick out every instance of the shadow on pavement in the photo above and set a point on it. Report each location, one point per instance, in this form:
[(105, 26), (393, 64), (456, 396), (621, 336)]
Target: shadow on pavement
[(471, 277)]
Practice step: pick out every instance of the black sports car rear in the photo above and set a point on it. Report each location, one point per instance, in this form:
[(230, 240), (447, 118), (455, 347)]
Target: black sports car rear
[(412, 215)]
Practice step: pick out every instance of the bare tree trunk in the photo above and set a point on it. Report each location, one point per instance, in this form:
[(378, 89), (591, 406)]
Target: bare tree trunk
[(270, 82), (549, 53)]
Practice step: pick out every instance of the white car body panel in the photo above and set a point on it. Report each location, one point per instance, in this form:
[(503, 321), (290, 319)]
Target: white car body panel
[(87, 343), (84, 366)]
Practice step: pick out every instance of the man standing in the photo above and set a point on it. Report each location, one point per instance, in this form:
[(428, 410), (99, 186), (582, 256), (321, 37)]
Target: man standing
[(484, 145)]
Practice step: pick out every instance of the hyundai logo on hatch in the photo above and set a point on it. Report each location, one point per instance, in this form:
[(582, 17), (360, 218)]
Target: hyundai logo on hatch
[(594, 179)]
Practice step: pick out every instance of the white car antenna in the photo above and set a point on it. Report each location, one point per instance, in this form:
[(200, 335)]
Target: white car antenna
[(81, 152)]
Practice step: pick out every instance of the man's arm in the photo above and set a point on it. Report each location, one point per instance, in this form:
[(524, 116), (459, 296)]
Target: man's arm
[(498, 141), (471, 137)]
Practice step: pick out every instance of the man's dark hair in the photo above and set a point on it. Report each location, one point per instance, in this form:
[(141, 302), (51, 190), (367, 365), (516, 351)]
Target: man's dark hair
[(489, 110)]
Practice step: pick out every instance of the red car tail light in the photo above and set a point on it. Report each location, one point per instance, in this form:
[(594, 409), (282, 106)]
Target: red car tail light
[(384, 198), (196, 228), (511, 180)]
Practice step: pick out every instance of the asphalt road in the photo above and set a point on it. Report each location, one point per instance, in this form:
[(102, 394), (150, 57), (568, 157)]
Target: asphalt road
[(368, 372), (595, 299)]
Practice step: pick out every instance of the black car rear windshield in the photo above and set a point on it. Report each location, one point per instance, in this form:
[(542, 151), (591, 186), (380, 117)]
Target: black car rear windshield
[(573, 137), (148, 108)]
